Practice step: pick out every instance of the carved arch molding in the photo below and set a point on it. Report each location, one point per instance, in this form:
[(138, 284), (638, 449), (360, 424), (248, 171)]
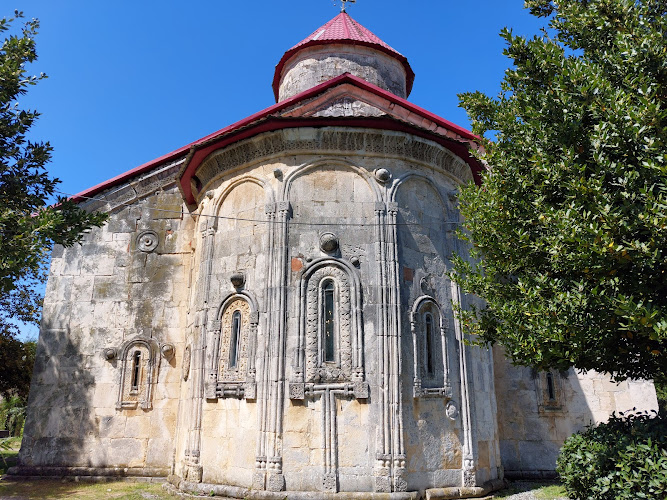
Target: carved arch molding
[(233, 335), (332, 140)]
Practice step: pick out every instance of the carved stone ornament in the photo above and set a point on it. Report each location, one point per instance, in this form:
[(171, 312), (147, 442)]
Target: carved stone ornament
[(296, 391), (109, 353), (237, 279), (186, 362), (328, 242), (167, 350), (382, 175), (452, 411), (147, 241)]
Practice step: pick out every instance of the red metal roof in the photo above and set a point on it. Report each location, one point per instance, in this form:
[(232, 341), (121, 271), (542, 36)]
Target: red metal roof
[(343, 29), (198, 150)]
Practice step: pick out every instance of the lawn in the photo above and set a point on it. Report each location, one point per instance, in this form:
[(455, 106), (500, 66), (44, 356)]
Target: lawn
[(126, 490), (541, 490), (24, 490)]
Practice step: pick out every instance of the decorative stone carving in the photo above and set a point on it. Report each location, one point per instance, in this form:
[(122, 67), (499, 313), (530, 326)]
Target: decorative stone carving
[(382, 175), (109, 353), (231, 369), (316, 369), (330, 482), (328, 242), (333, 141), (469, 478), (147, 241), (361, 390), (426, 284), (236, 373), (296, 391), (276, 482), (187, 355), (430, 356), (451, 410), (238, 280), (140, 362), (167, 351)]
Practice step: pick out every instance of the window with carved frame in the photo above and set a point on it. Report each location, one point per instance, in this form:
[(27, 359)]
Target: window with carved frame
[(233, 359), (139, 362), (548, 385), (431, 363)]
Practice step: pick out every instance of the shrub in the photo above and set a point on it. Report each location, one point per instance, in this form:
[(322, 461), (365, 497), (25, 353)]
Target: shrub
[(623, 459), (12, 415)]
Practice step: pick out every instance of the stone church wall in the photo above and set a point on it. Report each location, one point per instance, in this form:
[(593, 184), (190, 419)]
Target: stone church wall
[(119, 295), (537, 411)]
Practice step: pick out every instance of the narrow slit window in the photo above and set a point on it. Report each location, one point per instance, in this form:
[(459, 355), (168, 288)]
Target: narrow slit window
[(328, 321), (136, 370), (235, 339), (551, 388), (428, 322)]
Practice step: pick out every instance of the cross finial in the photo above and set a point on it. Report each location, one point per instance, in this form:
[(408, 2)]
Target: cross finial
[(344, 4)]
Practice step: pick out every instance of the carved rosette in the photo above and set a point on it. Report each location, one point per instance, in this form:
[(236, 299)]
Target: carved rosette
[(147, 241)]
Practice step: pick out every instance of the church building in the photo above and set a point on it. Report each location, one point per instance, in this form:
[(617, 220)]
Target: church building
[(267, 312)]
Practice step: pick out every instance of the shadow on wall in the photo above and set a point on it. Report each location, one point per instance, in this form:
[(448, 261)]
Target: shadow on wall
[(537, 411), (60, 406)]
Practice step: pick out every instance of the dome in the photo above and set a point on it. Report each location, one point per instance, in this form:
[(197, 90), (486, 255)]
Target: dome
[(341, 46)]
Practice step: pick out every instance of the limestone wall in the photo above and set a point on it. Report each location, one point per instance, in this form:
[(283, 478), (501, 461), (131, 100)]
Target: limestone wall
[(127, 280), (534, 420), (391, 224), (194, 342)]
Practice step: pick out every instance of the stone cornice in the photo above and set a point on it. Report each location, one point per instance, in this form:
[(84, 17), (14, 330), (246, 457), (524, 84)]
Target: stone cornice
[(332, 141)]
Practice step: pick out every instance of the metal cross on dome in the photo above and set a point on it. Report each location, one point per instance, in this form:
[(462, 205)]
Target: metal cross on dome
[(344, 4)]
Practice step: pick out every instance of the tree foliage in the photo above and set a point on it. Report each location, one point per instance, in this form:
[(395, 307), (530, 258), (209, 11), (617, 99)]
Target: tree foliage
[(31, 218), (569, 227)]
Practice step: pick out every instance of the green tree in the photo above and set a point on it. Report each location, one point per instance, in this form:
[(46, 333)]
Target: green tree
[(569, 226), (32, 220)]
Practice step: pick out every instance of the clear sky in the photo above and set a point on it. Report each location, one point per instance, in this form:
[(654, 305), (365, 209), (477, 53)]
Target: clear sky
[(131, 81)]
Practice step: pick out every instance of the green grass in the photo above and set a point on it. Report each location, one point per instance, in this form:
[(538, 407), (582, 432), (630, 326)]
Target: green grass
[(12, 488), (542, 490)]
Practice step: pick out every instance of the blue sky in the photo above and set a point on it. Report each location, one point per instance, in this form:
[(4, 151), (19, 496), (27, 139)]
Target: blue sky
[(131, 81)]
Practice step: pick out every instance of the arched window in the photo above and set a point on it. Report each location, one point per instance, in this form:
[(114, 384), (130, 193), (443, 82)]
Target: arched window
[(549, 390), (235, 339), (139, 361), (329, 326), (136, 372), (328, 321), (431, 364), (231, 358), (551, 387)]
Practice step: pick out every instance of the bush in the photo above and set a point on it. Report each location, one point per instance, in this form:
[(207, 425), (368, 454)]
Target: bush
[(12, 415), (624, 459)]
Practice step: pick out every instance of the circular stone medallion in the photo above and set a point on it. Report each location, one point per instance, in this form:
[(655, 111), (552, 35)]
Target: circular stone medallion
[(328, 242), (147, 241)]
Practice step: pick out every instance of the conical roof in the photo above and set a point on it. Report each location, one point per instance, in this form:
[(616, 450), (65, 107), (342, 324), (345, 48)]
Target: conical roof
[(342, 29)]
